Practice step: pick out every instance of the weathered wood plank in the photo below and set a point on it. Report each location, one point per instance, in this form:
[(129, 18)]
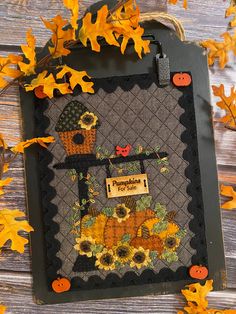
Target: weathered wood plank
[(16, 292), (203, 19)]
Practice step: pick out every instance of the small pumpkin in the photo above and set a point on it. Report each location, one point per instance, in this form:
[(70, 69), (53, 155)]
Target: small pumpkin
[(153, 243), (182, 79), (198, 272), (61, 285), (39, 92)]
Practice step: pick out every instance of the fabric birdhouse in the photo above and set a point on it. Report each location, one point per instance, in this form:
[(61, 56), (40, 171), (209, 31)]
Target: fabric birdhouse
[(77, 129)]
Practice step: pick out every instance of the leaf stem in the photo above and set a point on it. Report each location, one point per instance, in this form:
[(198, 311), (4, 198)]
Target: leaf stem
[(228, 106)]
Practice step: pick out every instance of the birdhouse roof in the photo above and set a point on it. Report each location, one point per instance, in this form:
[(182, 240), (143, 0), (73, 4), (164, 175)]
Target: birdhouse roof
[(70, 116)]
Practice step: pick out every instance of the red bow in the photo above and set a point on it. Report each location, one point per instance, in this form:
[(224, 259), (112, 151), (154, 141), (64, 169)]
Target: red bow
[(123, 151)]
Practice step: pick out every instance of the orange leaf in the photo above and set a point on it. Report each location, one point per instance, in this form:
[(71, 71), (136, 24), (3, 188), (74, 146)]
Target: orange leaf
[(48, 83), (73, 6), (2, 142), (219, 50), (7, 69), (229, 192), (2, 309), (5, 168), (185, 3), (227, 103), (231, 11), (11, 227), (125, 21), (19, 148), (76, 77), (3, 183), (101, 28), (123, 24), (197, 303), (196, 297), (30, 54), (59, 36)]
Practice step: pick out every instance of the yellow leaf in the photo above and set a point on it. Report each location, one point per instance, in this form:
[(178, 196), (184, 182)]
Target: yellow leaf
[(2, 309), (128, 15), (30, 54), (11, 227), (7, 69), (73, 6), (59, 36), (231, 11), (48, 83), (219, 50), (101, 28), (195, 295), (197, 303), (123, 24), (2, 142), (185, 3), (140, 45), (76, 77), (229, 192), (5, 168), (227, 103), (125, 21), (19, 148), (3, 183)]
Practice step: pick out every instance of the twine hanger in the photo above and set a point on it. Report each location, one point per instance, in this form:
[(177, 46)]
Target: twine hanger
[(160, 17)]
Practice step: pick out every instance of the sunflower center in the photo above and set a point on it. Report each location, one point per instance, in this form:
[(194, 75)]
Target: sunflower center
[(107, 259), (139, 257), (121, 212), (85, 246), (88, 119), (170, 242), (122, 251)]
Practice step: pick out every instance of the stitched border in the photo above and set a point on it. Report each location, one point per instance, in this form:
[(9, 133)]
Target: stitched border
[(195, 207)]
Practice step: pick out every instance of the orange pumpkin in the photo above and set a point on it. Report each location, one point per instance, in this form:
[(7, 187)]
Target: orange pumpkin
[(198, 272), (114, 230), (153, 243), (182, 79), (39, 92), (61, 285)]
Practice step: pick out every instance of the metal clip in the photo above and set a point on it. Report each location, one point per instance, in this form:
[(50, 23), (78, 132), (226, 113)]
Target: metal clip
[(163, 66)]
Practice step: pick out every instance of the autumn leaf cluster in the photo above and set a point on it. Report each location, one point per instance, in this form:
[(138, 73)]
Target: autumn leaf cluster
[(117, 27), (219, 50), (13, 221)]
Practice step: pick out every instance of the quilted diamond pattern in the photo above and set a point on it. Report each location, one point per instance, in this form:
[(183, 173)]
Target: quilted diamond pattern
[(146, 117)]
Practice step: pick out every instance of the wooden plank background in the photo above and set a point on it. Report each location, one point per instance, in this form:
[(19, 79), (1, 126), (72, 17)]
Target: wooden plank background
[(202, 20)]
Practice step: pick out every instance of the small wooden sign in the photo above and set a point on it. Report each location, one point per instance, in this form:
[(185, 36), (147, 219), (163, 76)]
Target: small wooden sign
[(127, 185)]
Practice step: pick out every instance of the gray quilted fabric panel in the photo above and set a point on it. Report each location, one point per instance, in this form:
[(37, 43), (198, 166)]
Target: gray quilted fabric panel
[(146, 117)]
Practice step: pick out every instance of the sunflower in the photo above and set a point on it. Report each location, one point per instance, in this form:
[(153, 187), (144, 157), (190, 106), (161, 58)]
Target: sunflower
[(105, 260), (121, 212), (171, 243), (140, 258), (123, 252), (84, 245), (88, 120)]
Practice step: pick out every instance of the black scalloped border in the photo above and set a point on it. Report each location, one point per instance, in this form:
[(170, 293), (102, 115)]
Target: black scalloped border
[(195, 207)]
